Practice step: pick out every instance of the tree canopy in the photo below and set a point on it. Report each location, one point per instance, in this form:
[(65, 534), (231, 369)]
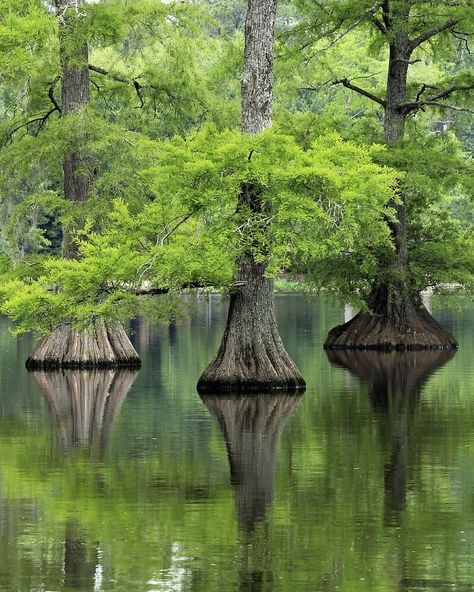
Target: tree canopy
[(166, 163)]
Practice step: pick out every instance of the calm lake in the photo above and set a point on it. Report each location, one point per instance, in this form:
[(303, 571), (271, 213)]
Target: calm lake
[(131, 482)]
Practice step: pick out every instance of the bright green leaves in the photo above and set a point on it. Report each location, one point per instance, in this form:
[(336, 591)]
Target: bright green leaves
[(313, 205), (312, 202), (25, 31)]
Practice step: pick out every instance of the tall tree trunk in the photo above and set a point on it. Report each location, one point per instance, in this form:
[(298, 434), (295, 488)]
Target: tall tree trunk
[(100, 345), (396, 317), (252, 355), (75, 98)]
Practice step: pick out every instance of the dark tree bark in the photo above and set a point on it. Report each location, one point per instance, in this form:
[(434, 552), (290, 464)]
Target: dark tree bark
[(252, 355), (395, 381), (100, 345), (74, 57), (396, 317)]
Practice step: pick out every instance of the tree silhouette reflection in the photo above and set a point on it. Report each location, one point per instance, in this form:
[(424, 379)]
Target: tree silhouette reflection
[(395, 381), (251, 426), (84, 405)]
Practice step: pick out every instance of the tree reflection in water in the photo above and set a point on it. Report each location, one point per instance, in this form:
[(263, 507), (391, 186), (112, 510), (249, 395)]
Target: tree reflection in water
[(84, 405), (252, 426), (395, 381)]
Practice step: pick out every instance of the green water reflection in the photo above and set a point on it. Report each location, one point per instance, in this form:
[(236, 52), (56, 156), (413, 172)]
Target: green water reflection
[(130, 482)]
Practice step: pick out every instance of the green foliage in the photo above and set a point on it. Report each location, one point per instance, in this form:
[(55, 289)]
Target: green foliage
[(328, 199), (166, 166)]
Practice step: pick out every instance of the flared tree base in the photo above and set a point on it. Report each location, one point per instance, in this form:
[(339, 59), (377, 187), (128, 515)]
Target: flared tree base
[(100, 346), (256, 366), (391, 325), (251, 357)]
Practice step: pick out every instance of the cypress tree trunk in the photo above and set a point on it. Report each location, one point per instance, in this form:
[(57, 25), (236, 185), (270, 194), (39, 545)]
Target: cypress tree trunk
[(100, 345), (252, 355), (75, 98), (396, 317)]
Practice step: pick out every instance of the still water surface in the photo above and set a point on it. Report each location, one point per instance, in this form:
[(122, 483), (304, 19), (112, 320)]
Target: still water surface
[(131, 482)]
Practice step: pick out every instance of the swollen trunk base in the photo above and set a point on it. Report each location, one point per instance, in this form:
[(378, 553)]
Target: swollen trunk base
[(100, 346), (251, 357), (391, 324)]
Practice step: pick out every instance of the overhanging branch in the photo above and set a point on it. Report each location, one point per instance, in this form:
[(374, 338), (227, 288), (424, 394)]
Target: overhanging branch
[(40, 119), (365, 93), (432, 32), (450, 107), (134, 82), (433, 99)]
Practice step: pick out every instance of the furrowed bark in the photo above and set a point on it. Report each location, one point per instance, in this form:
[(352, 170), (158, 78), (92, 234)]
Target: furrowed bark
[(252, 356), (75, 98)]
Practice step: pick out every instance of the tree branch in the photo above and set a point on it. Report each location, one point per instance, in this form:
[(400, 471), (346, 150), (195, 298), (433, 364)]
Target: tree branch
[(432, 99), (386, 15), (450, 107), (41, 119), (365, 93), (449, 91), (53, 100), (137, 85), (432, 32), (380, 26)]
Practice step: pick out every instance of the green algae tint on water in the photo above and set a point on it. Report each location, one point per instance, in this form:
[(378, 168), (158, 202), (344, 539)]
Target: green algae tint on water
[(120, 481)]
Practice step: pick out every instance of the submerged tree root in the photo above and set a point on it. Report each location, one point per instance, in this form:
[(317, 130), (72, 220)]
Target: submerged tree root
[(99, 346), (405, 326)]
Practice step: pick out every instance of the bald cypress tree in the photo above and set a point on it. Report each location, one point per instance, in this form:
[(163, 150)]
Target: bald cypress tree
[(98, 345), (252, 355), (395, 317)]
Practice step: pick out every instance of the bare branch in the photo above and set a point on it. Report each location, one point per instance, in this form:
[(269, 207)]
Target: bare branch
[(53, 100), (422, 90), (449, 24), (432, 99), (365, 93), (380, 26)]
